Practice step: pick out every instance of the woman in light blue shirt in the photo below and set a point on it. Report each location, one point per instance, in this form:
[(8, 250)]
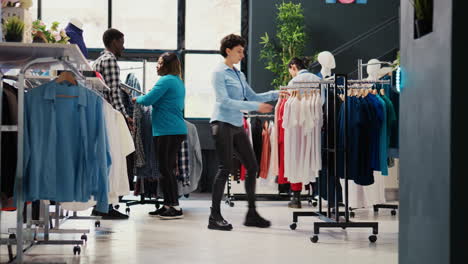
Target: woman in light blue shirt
[(169, 130), (234, 96)]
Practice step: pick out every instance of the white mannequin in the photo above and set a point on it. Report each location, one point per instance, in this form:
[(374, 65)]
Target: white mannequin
[(373, 69), (77, 23), (327, 61)]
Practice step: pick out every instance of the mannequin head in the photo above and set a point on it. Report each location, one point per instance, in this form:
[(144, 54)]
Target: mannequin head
[(373, 69), (77, 23), (326, 60)]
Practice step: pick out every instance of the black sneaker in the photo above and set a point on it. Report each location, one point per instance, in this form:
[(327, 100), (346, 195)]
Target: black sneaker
[(96, 213), (114, 215), (172, 213), (255, 220), (158, 212)]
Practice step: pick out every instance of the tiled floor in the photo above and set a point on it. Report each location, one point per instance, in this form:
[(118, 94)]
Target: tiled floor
[(144, 239)]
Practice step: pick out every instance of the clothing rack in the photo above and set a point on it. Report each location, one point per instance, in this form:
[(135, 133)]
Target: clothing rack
[(332, 218), (230, 197), (361, 65), (126, 86), (24, 56), (138, 68), (143, 199)]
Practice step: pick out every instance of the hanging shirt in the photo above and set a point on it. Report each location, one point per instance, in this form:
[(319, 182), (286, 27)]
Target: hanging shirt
[(281, 141), (66, 149), (383, 146), (231, 89), (266, 151)]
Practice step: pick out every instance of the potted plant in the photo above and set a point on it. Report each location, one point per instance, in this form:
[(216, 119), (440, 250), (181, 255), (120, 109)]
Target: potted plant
[(14, 28), (289, 42), (423, 17), (20, 9), (51, 35)]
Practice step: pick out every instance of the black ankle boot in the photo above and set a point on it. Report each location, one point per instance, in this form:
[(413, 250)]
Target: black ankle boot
[(254, 219), (296, 201), (217, 222)]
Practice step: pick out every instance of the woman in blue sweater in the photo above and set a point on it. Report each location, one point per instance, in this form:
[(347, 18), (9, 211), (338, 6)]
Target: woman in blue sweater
[(169, 130)]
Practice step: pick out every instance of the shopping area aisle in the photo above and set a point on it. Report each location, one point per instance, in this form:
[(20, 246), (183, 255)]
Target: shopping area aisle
[(145, 239)]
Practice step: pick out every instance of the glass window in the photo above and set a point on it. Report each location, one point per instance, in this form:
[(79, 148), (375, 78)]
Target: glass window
[(92, 13), (199, 94), (208, 21), (34, 10), (136, 67), (147, 24)]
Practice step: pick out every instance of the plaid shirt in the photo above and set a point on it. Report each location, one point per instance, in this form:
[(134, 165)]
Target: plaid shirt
[(182, 164), (107, 65)]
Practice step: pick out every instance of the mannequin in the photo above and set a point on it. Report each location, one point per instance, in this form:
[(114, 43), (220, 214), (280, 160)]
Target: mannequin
[(74, 31), (373, 69), (77, 23), (327, 61)]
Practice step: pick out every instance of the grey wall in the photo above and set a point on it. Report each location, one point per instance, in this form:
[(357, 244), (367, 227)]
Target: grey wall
[(425, 139), (328, 26)]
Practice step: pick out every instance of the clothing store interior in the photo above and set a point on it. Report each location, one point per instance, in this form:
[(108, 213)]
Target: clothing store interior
[(232, 131)]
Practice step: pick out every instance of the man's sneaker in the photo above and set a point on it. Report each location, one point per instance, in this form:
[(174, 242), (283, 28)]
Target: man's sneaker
[(172, 213), (114, 215), (96, 213), (158, 212), (254, 219)]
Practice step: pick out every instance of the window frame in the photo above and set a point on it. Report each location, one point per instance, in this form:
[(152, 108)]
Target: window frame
[(153, 54)]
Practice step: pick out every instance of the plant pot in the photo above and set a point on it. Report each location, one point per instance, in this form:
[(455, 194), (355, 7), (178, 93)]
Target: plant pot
[(13, 38), (422, 27)]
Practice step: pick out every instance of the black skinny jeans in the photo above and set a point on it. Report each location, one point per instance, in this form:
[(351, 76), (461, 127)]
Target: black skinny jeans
[(166, 151), (231, 140)]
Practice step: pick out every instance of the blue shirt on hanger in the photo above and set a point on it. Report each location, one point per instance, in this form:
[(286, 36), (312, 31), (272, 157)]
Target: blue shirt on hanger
[(66, 151)]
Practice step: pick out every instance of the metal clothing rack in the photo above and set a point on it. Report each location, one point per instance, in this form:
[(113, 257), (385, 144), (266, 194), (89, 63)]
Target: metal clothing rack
[(332, 217), (376, 207), (143, 199), (230, 197), (24, 56)]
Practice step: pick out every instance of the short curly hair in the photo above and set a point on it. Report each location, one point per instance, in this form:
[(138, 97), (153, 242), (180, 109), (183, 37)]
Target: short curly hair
[(231, 41)]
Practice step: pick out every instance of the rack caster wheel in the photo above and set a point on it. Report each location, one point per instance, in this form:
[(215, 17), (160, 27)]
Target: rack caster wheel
[(344, 228), (84, 238), (373, 238), (314, 204), (352, 214), (116, 207), (76, 250), (186, 195), (293, 226), (231, 204), (376, 209), (314, 239), (127, 210), (97, 224), (393, 212)]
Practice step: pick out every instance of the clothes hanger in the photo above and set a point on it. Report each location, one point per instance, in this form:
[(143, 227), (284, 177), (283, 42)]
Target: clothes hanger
[(66, 76)]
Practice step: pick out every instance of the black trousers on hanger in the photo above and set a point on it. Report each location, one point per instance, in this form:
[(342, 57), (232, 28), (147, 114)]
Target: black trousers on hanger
[(231, 140), (166, 151)]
